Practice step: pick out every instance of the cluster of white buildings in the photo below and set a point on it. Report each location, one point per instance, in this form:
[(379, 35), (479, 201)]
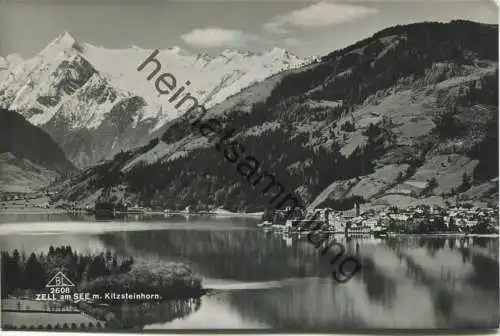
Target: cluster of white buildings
[(470, 217), (459, 216)]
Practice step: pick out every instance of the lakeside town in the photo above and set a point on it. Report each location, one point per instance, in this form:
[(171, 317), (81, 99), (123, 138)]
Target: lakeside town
[(420, 219), (461, 218)]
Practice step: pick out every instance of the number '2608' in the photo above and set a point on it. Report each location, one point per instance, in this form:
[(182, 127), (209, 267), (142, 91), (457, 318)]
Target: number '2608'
[(59, 290)]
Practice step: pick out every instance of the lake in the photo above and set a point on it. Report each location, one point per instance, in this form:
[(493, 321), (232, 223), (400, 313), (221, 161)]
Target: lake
[(266, 280)]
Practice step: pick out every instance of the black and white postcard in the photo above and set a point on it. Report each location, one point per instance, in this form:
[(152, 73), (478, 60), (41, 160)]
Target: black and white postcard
[(280, 166)]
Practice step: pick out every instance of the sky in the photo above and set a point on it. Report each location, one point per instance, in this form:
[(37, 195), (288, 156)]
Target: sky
[(305, 28)]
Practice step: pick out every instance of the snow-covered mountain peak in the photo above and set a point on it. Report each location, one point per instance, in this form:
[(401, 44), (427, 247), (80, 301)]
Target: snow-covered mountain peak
[(77, 87), (204, 56), (283, 55), (271, 57), (231, 53), (65, 42), (177, 51), (278, 52), (66, 37)]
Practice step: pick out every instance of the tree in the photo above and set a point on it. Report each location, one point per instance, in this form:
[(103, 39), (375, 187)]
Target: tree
[(452, 225), (126, 266), (431, 184), (438, 225), (466, 184), (483, 227), (114, 265), (348, 127), (97, 268), (108, 255), (372, 131), (35, 276), (446, 125), (11, 272)]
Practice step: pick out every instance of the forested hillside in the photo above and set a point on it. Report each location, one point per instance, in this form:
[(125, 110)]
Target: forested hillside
[(24, 140), (407, 115), (29, 157)]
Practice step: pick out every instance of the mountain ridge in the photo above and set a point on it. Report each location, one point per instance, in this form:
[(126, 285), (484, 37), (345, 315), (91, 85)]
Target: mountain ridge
[(408, 117), (29, 157)]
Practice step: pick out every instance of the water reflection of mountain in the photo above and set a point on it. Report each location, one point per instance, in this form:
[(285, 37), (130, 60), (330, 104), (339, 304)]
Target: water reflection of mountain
[(246, 255), (405, 282), (137, 315), (403, 292)]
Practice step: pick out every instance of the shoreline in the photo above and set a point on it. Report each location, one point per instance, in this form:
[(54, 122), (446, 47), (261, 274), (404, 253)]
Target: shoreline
[(486, 235), (409, 235), (34, 211), (42, 211)]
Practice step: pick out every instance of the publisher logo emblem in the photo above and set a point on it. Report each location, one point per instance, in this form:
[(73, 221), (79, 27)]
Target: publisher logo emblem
[(60, 280)]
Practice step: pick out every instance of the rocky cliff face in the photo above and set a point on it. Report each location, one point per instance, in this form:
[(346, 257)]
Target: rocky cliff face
[(94, 102), (409, 115)]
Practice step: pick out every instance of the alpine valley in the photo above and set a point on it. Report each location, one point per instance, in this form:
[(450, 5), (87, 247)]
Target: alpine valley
[(406, 116), (29, 157)]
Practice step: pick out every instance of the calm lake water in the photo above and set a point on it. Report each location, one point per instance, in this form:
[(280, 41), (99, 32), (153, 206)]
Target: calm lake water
[(272, 281)]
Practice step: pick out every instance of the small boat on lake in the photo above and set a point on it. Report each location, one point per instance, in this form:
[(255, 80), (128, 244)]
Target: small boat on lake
[(265, 224), (136, 209)]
